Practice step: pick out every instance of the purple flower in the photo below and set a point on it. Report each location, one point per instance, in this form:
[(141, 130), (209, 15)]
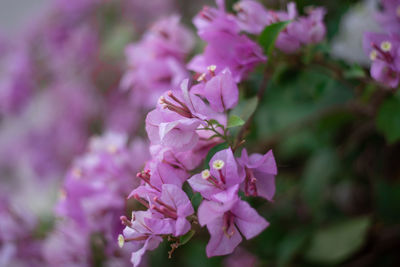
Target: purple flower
[(148, 76), (17, 83), (383, 51), (221, 90), (175, 204), (142, 232), (155, 64), (215, 19), (159, 173), (259, 171), (228, 50), (166, 214), (168, 37), (67, 245), (310, 29), (222, 178), (252, 16), (224, 222), (302, 30), (186, 160), (97, 184), (389, 18), (173, 124), (239, 258)]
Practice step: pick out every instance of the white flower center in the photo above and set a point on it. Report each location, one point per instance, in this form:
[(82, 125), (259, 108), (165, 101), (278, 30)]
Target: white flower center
[(121, 241), (386, 46), (211, 68), (205, 174), (218, 164), (373, 55)]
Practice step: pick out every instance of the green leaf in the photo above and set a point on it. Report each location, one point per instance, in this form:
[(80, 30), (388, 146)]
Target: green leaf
[(235, 121), (387, 193), (216, 123), (196, 200), (212, 152), (290, 245), (354, 72), (270, 34), (185, 238), (336, 243), (245, 108), (388, 119), (318, 174)]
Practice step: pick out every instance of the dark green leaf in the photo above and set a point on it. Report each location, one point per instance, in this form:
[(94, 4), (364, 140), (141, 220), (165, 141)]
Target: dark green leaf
[(269, 35), (290, 245), (318, 174), (385, 195), (337, 242), (388, 119), (235, 121), (196, 200), (185, 238)]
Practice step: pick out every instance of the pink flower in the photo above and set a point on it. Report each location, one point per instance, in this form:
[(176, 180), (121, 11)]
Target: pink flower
[(174, 203), (186, 160), (159, 173), (252, 16), (310, 29), (215, 19), (166, 214), (224, 222), (302, 30), (239, 258), (173, 124), (259, 171), (228, 50), (384, 52), (142, 231), (156, 63), (222, 178), (221, 90), (389, 17)]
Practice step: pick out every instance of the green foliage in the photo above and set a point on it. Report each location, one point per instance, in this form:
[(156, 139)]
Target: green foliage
[(269, 35), (234, 121), (337, 242), (386, 195), (185, 238), (388, 119), (245, 108), (318, 174), (290, 245)]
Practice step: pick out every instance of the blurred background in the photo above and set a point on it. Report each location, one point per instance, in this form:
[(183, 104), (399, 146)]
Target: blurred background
[(334, 132)]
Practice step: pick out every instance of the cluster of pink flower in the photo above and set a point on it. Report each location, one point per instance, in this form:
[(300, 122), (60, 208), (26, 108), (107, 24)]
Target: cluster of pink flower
[(51, 101), (384, 48), (156, 62), (189, 121), (92, 197), (51, 94)]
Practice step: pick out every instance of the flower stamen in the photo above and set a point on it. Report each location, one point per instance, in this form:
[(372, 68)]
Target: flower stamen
[(386, 46)]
